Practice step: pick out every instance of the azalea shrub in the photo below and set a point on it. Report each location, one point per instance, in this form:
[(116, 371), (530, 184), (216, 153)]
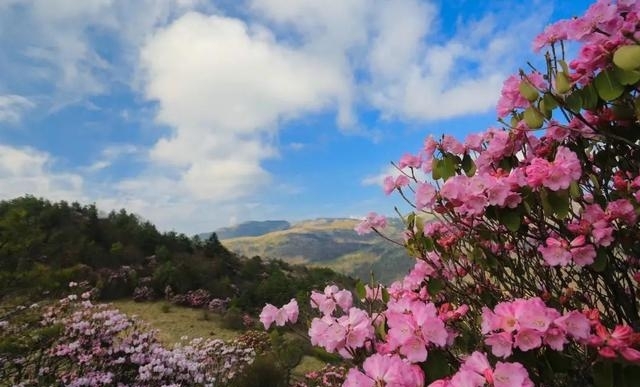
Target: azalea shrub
[(75, 342), (526, 235)]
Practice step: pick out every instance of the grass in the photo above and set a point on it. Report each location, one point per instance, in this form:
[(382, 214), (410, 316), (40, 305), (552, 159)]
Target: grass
[(177, 322), (181, 321)]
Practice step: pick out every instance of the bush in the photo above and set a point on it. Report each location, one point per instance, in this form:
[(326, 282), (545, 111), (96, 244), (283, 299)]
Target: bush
[(233, 319), (264, 372)]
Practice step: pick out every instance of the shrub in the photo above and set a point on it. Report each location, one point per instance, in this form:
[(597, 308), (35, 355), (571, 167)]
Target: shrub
[(527, 244)]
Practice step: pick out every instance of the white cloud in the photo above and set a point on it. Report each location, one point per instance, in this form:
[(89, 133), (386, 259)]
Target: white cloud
[(52, 42), (28, 171), (12, 106), (224, 94), (428, 79)]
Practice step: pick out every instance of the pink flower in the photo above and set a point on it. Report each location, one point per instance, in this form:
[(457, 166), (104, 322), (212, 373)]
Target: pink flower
[(575, 324), (291, 310), (390, 183), (409, 160), (622, 209), (528, 339), (510, 97), (425, 196), (501, 344), (452, 145), (355, 378), (371, 221), (511, 375), (389, 371), (268, 315), (555, 253)]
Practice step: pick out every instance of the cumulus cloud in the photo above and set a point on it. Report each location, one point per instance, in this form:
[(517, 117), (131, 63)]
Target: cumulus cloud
[(224, 95)]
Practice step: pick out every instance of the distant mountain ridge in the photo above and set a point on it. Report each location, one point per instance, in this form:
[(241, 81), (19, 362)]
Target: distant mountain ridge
[(248, 229), (324, 242)]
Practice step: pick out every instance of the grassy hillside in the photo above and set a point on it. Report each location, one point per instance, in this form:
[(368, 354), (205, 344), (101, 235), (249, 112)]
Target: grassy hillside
[(330, 243)]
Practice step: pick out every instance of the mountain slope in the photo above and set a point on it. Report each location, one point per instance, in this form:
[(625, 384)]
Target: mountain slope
[(252, 228), (330, 243)]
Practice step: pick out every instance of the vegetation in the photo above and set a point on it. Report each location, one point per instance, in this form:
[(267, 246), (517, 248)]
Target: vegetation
[(331, 243), (45, 245)]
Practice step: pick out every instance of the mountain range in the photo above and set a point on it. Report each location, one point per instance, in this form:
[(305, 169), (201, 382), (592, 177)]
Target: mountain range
[(324, 242)]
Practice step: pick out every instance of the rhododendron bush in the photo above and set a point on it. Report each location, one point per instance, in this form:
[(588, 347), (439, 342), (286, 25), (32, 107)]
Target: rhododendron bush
[(526, 236), (75, 342)]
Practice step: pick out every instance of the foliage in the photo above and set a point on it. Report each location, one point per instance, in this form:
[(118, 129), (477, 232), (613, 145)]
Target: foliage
[(44, 246), (529, 274), (76, 342)]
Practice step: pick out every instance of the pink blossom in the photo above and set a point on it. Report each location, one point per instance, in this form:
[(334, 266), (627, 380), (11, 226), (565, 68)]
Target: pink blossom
[(501, 344), (268, 315), (291, 310), (555, 253), (528, 339), (511, 375), (409, 160), (574, 324), (510, 97), (622, 209), (371, 221), (425, 196), (452, 145)]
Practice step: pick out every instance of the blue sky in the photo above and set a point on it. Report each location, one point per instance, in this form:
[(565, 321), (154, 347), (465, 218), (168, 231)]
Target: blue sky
[(199, 114)]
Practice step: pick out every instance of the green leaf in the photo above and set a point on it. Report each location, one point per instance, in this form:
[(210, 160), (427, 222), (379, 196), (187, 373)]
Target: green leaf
[(564, 66), (557, 202), (437, 365), (600, 263), (549, 101), (361, 292), (428, 244), (533, 118), (603, 374), (574, 101), (435, 285), (449, 167), (476, 254), (627, 57), (626, 77), (574, 190), (436, 169), (385, 295), (563, 83), (608, 86), (527, 90), (589, 96), (510, 218), (468, 166)]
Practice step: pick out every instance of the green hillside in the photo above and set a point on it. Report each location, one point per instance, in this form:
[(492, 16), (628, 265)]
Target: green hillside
[(45, 245), (331, 243)]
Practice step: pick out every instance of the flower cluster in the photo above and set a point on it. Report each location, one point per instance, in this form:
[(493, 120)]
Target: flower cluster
[(529, 228), (79, 343), (528, 323), (328, 376), (280, 316)]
